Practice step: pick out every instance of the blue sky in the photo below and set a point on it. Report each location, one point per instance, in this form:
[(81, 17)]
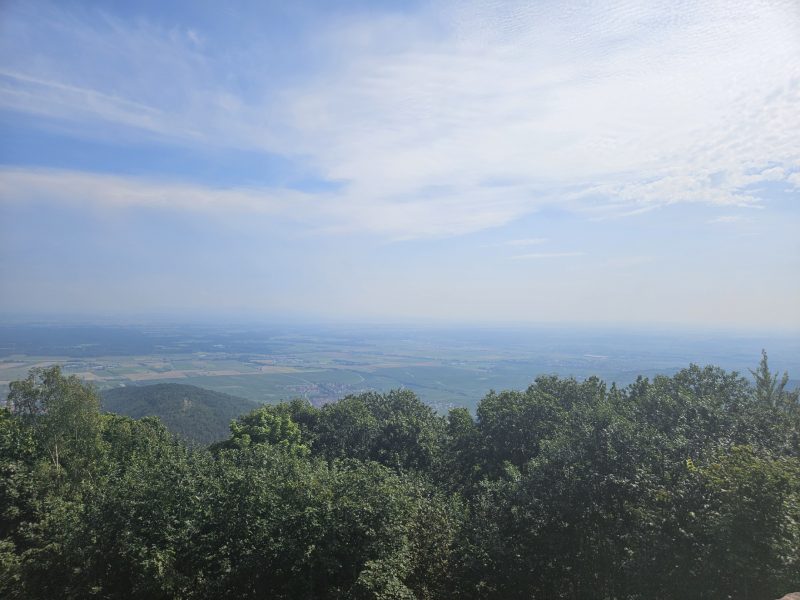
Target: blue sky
[(632, 163)]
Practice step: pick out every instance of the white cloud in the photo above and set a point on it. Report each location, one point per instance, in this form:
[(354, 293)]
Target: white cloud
[(646, 121), (726, 219), (110, 191), (454, 212), (30, 94), (610, 109)]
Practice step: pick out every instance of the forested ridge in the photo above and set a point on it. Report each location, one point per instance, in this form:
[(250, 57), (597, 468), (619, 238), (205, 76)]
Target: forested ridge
[(194, 413), (684, 487)]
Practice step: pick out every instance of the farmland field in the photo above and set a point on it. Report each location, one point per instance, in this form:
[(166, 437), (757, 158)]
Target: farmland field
[(446, 367)]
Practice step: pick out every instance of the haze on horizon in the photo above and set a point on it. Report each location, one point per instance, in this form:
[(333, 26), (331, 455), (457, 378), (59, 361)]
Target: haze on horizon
[(465, 161)]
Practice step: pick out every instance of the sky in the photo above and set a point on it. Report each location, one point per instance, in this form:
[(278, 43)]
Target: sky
[(476, 162)]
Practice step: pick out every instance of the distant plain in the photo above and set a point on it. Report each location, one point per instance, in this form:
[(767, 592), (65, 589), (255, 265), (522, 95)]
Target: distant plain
[(446, 367)]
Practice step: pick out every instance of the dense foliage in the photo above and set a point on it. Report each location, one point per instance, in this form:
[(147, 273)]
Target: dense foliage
[(684, 487), (194, 413)]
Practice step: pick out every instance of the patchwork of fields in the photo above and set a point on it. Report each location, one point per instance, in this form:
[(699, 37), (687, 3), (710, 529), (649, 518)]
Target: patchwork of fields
[(446, 368)]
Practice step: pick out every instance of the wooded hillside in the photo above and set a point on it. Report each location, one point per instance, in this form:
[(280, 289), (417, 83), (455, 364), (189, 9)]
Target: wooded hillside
[(194, 413), (684, 487)]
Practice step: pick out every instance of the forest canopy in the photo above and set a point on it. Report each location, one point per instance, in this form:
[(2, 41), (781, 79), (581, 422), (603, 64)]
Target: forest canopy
[(194, 413), (677, 487)]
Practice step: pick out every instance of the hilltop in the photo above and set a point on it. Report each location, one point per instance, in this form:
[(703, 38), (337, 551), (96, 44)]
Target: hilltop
[(194, 413)]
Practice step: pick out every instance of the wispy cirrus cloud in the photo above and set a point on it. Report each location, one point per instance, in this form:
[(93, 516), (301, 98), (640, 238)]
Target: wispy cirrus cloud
[(455, 212), (635, 109), (245, 131), (726, 219), (25, 93), (609, 110)]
